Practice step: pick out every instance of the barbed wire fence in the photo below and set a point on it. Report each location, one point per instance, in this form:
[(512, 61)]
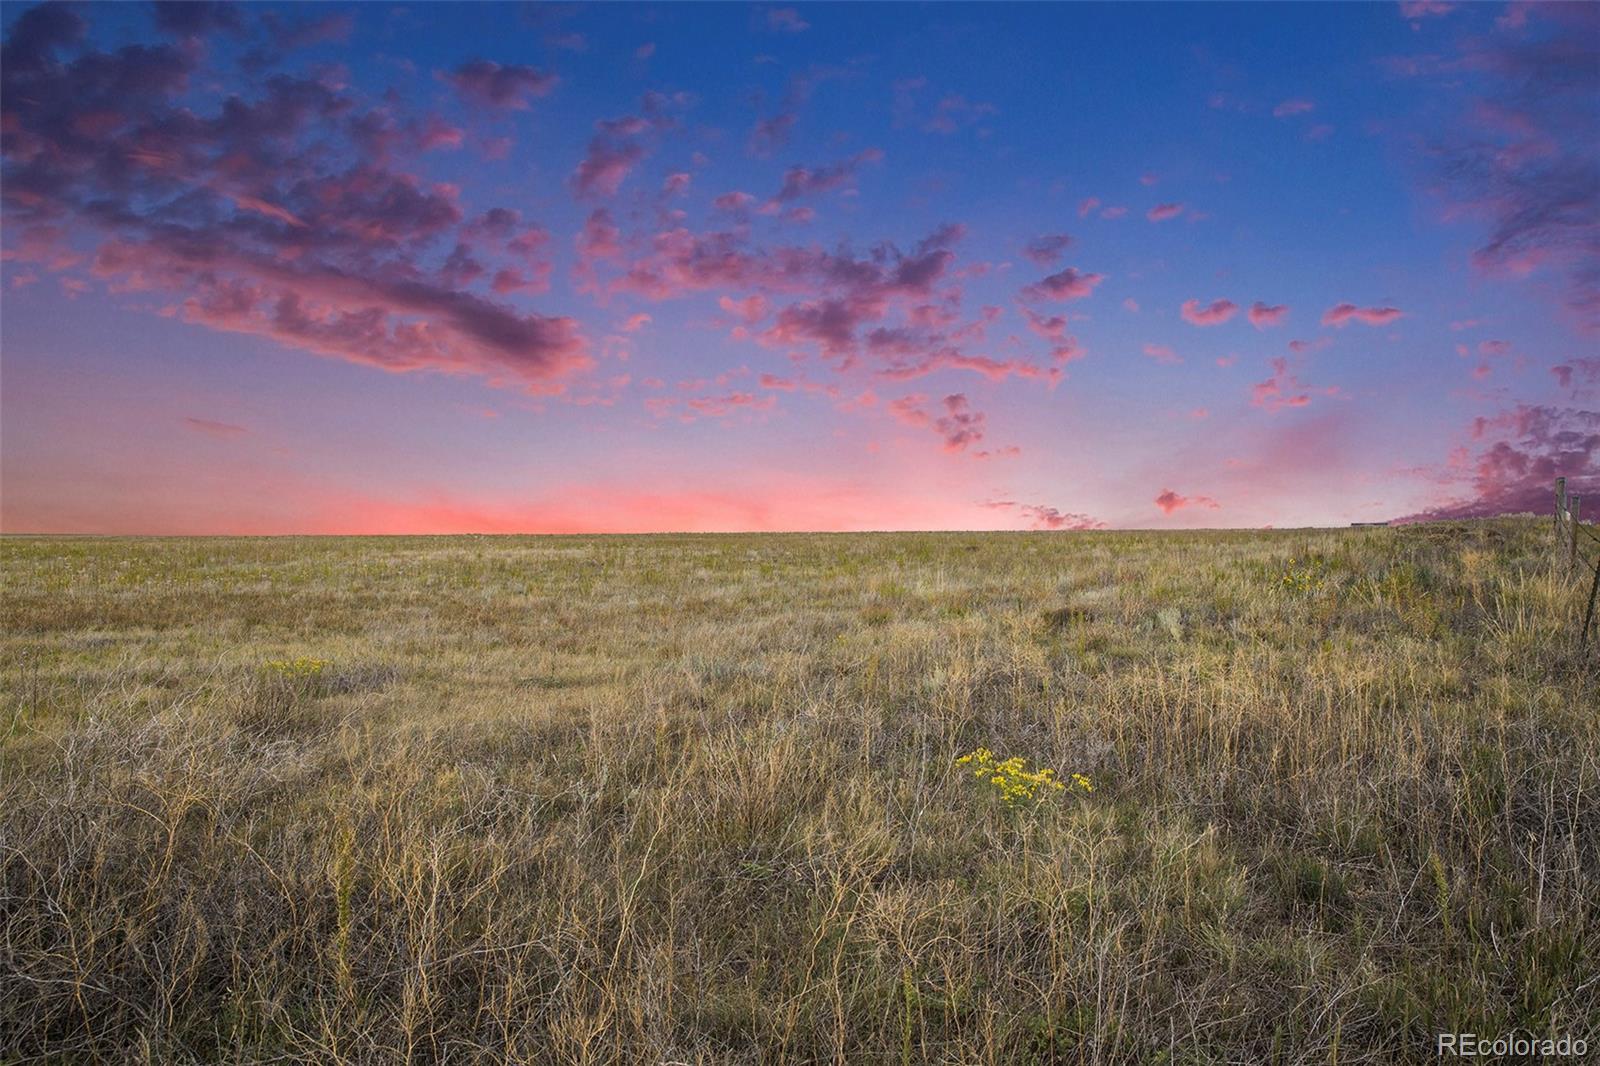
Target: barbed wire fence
[(1576, 540)]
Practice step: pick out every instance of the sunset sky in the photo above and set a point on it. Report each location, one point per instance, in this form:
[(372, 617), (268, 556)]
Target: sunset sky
[(523, 268)]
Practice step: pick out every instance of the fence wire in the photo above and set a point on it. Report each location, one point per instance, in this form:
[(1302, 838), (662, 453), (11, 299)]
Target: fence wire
[(1569, 526)]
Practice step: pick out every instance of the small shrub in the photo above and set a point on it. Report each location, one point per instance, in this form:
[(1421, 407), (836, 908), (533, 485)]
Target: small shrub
[(876, 614), (280, 699), (1305, 881), (1171, 619), (1065, 617)]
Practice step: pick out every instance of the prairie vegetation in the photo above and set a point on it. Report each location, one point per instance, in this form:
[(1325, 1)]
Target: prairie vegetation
[(696, 799)]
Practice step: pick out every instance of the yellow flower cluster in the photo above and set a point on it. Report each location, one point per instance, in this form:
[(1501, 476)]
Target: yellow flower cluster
[(1301, 578), (298, 667), (1012, 780)]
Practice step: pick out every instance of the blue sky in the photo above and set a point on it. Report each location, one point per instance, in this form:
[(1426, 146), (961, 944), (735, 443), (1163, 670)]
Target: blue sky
[(944, 287)]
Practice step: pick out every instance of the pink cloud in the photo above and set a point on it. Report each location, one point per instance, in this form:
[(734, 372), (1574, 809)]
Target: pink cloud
[(1340, 314), (1585, 372), (735, 201), (1517, 157), (1040, 516), (1162, 354), (599, 241), (1264, 315), (1050, 327), (1170, 501), (908, 409), (382, 319), (786, 20), (1292, 107), (1419, 9), (959, 425), (1163, 212), (1284, 389), (1053, 328), (1278, 391), (780, 384), (907, 360), (799, 181), (772, 132), (508, 280), (954, 112), (1515, 17), (847, 304), (600, 238), (833, 325), (1068, 284), (605, 166), (731, 403), (262, 207), (1212, 314), (436, 134), (1047, 250), (750, 310), (618, 146), (1087, 207), (42, 244), (506, 87), (1528, 448), (220, 430)]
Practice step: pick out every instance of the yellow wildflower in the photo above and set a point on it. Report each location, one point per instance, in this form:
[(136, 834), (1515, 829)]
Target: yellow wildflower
[(1011, 778)]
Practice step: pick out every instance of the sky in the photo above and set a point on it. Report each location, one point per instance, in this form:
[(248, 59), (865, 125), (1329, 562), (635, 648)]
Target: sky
[(630, 268)]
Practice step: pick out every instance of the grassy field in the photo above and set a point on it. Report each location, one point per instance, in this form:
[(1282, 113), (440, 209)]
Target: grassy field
[(694, 798)]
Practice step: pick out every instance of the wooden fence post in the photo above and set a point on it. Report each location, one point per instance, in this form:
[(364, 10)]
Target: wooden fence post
[(1573, 504), (1561, 502), (1588, 615)]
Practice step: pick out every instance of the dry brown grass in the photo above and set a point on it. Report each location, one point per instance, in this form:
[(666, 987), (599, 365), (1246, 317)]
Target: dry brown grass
[(693, 798)]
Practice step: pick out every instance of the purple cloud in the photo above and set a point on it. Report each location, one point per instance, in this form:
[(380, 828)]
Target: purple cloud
[(485, 82)]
